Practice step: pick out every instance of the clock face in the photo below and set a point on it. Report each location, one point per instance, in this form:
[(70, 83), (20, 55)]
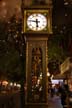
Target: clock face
[(36, 22)]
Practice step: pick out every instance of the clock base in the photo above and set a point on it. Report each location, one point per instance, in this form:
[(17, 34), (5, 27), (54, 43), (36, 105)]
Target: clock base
[(37, 105)]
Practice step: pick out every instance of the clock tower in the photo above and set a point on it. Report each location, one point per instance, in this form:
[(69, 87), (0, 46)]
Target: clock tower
[(37, 27)]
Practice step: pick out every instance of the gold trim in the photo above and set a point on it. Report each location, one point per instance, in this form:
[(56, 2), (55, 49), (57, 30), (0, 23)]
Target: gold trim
[(38, 10), (45, 12), (25, 21)]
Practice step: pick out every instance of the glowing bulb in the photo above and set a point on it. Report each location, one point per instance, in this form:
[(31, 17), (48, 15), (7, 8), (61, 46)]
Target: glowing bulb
[(48, 74)]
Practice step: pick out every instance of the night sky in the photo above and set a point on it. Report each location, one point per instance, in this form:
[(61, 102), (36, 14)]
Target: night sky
[(9, 7)]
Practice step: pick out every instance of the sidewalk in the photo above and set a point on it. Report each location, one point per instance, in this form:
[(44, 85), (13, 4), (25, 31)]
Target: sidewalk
[(54, 101)]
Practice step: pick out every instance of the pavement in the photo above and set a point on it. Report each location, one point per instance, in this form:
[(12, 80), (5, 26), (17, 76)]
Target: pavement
[(12, 100), (54, 101)]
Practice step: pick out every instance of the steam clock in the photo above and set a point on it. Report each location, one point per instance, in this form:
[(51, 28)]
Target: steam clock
[(37, 27)]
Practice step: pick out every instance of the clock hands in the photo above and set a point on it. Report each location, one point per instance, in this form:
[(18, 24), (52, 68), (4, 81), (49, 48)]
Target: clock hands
[(36, 21)]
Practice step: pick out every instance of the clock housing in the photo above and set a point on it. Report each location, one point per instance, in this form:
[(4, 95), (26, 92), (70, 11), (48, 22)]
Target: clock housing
[(37, 21)]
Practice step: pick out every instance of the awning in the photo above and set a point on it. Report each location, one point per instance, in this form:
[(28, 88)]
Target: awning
[(59, 76)]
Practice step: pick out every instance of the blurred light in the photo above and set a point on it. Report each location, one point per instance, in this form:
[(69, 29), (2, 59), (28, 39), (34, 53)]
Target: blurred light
[(4, 82), (52, 77), (66, 14), (36, 85), (48, 74), (16, 41), (41, 75), (64, 27), (18, 85), (61, 31), (3, 40), (11, 84), (55, 27), (40, 89), (3, 3), (22, 44), (55, 81), (20, 55), (66, 3), (14, 84), (38, 81), (15, 36)]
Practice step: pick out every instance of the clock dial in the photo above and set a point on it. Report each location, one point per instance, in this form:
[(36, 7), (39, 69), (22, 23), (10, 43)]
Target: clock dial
[(36, 22)]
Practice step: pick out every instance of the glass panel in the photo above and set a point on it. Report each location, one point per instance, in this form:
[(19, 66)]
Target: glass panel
[(36, 91)]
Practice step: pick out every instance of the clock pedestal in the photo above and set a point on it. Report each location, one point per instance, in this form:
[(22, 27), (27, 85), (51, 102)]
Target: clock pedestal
[(35, 15), (36, 72)]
